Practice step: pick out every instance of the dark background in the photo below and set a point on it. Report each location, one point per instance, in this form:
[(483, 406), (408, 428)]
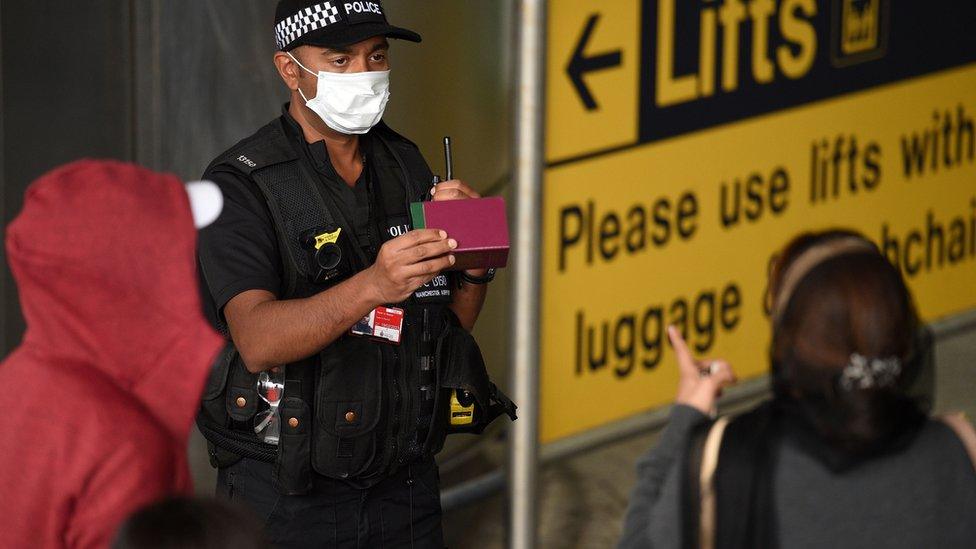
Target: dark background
[(171, 83), (164, 84)]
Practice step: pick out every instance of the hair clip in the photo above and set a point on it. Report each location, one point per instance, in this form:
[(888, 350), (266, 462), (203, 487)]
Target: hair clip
[(862, 372)]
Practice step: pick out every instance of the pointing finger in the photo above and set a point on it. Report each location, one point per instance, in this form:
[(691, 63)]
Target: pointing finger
[(686, 362)]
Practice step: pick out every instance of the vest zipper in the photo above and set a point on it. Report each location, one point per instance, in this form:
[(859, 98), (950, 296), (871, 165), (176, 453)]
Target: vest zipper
[(395, 419)]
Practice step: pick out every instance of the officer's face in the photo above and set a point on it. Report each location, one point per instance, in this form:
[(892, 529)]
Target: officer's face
[(366, 56)]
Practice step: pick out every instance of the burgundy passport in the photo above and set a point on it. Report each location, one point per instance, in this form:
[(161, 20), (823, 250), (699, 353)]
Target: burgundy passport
[(479, 225)]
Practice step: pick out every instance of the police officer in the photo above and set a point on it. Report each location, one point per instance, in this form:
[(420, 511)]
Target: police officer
[(324, 413)]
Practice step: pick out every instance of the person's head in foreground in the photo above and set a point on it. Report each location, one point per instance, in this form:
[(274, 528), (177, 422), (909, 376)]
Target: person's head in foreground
[(847, 346), (191, 523), (843, 454), (847, 349), (103, 388)]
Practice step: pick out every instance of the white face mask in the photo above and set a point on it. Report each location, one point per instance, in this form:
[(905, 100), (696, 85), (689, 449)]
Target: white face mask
[(349, 103)]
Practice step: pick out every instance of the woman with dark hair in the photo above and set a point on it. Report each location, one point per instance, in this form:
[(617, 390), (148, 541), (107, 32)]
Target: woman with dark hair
[(844, 454)]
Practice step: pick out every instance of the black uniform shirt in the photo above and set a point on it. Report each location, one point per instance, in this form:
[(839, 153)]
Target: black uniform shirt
[(239, 251)]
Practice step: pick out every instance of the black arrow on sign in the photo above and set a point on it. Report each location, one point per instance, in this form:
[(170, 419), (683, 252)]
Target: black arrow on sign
[(579, 64)]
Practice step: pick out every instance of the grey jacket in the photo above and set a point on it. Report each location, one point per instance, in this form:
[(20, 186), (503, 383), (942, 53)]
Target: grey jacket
[(922, 497)]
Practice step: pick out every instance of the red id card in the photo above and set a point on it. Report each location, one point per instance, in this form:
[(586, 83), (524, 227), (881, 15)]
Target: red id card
[(384, 323)]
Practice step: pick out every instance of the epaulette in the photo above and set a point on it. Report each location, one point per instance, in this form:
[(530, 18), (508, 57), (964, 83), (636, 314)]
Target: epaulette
[(266, 147)]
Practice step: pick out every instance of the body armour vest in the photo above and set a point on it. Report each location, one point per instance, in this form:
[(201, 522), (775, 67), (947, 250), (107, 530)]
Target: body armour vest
[(360, 408)]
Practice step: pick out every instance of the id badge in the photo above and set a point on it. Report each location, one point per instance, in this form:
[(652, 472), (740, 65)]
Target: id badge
[(383, 323)]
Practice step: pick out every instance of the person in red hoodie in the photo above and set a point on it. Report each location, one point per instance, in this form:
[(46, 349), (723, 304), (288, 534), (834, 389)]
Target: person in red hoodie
[(100, 395)]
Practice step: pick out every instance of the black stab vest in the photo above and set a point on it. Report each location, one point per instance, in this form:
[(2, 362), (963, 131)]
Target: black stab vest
[(355, 411)]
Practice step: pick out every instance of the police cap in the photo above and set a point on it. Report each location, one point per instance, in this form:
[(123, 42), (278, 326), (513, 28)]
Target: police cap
[(334, 24)]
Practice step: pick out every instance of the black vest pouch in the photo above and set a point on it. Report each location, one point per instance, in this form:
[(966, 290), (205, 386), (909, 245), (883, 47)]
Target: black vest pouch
[(348, 400), (242, 395), (227, 410), (461, 368), (293, 468), (213, 408)]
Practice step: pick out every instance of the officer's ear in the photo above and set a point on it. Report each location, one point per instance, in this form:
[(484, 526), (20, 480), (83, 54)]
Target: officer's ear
[(288, 69)]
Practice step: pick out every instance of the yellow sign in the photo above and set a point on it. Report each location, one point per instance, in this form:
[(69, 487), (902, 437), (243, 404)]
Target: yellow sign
[(674, 218), (596, 73)]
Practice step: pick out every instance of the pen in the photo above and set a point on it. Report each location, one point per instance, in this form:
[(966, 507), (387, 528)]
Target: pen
[(448, 160)]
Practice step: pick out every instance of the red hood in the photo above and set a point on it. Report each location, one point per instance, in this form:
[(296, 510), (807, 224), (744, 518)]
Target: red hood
[(103, 256)]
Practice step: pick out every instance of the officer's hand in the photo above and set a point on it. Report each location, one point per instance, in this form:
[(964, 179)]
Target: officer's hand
[(701, 381), (410, 261), (454, 189)]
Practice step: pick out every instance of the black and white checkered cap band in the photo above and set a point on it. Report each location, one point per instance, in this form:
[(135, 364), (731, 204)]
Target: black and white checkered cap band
[(305, 21)]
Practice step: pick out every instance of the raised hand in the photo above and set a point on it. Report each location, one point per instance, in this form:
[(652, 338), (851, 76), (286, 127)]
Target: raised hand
[(701, 381)]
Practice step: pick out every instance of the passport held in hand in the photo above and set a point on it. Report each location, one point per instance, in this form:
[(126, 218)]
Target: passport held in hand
[(479, 225)]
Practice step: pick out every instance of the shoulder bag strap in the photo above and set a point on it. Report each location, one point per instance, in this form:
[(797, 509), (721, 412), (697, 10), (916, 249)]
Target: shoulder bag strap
[(709, 464)]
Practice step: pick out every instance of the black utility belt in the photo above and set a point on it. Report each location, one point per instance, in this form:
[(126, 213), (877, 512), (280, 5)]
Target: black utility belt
[(344, 427)]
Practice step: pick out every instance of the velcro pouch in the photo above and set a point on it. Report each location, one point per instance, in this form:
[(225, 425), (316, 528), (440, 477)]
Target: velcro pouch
[(461, 366), (242, 395), (348, 398), (293, 469), (227, 409), (212, 405)]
